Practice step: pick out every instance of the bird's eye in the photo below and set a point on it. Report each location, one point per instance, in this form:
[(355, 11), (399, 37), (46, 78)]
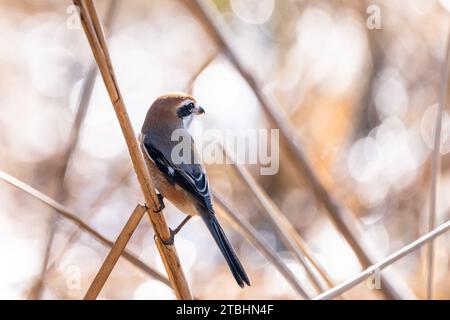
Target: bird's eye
[(190, 106)]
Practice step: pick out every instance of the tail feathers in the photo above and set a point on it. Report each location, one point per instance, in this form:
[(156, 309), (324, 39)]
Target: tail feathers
[(226, 249)]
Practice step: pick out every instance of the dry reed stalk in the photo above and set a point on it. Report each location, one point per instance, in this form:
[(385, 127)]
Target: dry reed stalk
[(249, 233), (88, 86), (92, 28), (287, 233), (68, 215), (344, 221), (435, 168), (115, 253), (347, 285)]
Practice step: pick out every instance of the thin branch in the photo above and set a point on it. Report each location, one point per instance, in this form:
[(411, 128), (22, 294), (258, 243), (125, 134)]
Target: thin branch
[(103, 196), (115, 253), (284, 228), (435, 168), (348, 225), (211, 58), (374, 269), (94, 34), (122, 175), (247, 230), (287, 233), (68, 215)]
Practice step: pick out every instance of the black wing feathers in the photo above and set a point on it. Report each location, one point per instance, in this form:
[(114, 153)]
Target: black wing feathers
[(189, 176), (193, 180)]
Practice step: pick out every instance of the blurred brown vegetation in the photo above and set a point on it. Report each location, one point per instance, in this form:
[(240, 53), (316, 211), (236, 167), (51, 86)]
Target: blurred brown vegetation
[(363, 103)]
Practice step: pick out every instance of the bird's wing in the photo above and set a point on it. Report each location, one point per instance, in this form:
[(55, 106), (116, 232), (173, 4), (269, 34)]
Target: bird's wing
[(191, 177)]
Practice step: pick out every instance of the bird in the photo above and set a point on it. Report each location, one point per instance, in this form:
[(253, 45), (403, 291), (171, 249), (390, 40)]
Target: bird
[(184, 183)]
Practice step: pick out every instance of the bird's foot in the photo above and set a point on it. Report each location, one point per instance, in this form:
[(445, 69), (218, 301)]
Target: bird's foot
[(161, 203), (171, 240), (173, 233)]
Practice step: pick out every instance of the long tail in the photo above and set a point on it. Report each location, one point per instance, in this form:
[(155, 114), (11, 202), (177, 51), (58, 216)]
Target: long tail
[(226, 248)]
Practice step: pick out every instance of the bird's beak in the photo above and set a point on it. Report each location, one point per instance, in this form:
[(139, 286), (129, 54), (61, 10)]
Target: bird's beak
[(198, 110)]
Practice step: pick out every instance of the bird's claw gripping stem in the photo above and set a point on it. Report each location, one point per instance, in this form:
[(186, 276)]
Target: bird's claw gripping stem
[(171, 240), (161, 203)]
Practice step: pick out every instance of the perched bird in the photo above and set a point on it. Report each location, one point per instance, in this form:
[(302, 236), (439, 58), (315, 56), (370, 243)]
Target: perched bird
[(184, 182)]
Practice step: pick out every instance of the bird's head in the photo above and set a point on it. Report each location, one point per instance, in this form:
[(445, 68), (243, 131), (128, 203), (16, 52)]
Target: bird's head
[(172, 110), (180, 104)]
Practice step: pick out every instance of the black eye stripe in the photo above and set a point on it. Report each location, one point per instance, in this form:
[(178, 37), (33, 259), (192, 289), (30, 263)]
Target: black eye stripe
[(185, 110)]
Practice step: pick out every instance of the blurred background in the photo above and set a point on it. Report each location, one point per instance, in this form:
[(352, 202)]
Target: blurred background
[(363, 103)]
